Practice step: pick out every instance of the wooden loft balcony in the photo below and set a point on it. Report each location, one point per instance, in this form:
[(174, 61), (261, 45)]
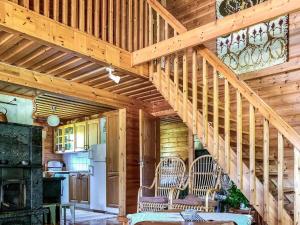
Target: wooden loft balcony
[(40, 44)]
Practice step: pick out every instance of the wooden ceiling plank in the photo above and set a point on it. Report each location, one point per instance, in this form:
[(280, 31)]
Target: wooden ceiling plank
[(9, 42), (142, 93), (15, 19), (75, 61), (40, 81), (124, 84), (36, 58), (245, 18), (49, 61), (18, 51), (132, 87), (139, 90), (73, 71), (106, 82), (91, 74)]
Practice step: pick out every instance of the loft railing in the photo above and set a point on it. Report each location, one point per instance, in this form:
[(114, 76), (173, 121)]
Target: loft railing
[(120, 22), (231, 120)]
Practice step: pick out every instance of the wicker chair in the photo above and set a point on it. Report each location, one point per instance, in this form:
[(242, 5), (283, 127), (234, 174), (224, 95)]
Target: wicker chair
[(203, 182), (169, 174)]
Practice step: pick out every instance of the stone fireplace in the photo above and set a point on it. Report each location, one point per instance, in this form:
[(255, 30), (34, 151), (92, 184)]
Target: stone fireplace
[(20, 185)]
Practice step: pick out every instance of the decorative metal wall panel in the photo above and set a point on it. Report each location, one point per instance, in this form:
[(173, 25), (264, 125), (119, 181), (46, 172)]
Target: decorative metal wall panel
[(257, 47)]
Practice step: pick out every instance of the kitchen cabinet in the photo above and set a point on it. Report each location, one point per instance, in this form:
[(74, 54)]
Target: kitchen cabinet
[(73, 190), (76, 137), (58, 139), (79, 188), (68, 139), (93, 132), (112, 143), (81, 136), (85, 188)]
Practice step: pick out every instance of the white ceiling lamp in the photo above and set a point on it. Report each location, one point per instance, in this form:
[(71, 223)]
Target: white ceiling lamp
[(111, 76), (53, 120)]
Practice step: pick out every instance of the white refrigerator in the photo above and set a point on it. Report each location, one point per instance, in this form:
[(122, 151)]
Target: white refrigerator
[(97, 169)]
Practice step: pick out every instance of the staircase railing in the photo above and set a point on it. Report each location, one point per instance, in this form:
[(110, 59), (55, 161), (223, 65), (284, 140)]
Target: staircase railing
[(224, 111), (123, 23)]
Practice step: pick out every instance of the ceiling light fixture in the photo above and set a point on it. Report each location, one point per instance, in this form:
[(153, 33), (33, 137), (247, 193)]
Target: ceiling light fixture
[(111, 76), (53, 120)]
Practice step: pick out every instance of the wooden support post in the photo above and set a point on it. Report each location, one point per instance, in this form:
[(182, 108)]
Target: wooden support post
[(266, 170), (191, 149), (146, 25), (122, 161), (205, 102), (130, 23), (111, 22), (176, 82), (135, 25), (74, 14), (167, 63), (118, 23), (296, 186), (280, 179), (46, 8), (97, 18), (90, 17), (36, 6), (158, 61), (82, 15), (56, 10), (141, 23), (123, 25), (239, 137), (104, 20), (195, 91), (65, 9), (26, 3), (252, 155), (185, 86), (151, 65), (227, 126), (216, 114)]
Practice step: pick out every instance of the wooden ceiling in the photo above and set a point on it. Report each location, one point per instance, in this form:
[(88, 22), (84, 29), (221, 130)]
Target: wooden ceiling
[(66, 108), (19, 51)]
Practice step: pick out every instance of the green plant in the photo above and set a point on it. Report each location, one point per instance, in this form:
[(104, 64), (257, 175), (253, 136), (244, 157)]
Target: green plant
[(235, 197)]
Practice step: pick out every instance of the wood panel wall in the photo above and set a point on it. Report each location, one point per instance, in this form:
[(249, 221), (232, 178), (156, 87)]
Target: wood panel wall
[(174, 140)]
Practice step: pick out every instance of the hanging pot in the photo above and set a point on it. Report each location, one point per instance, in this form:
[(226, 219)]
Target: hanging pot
[(3, 117)]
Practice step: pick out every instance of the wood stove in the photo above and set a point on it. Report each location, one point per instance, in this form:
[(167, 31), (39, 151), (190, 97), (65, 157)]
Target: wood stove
[(21, 190), (13, 195)]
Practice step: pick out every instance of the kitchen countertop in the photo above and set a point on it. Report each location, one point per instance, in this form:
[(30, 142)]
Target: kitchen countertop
[(69, 171)]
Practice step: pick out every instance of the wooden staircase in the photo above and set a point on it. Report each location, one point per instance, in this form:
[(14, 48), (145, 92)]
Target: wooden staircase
[(206, 106)]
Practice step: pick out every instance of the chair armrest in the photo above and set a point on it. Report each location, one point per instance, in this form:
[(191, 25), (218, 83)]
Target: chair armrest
[(209, 193)]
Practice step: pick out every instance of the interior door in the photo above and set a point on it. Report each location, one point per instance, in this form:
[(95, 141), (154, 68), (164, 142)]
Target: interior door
[(112, 159), (149, 148)]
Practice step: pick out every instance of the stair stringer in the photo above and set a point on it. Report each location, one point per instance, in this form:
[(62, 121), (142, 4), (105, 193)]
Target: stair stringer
[(168, 91)]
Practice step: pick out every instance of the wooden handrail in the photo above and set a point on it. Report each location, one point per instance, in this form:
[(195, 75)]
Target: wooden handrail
[(167, 16), (274, 119), (259, 13)]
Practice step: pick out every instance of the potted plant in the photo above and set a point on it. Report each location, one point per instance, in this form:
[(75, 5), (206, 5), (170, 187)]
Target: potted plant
[(235, 199)]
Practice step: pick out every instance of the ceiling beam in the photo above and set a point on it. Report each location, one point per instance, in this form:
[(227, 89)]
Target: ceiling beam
[(36, 27), (44, 82), (262, 12)]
